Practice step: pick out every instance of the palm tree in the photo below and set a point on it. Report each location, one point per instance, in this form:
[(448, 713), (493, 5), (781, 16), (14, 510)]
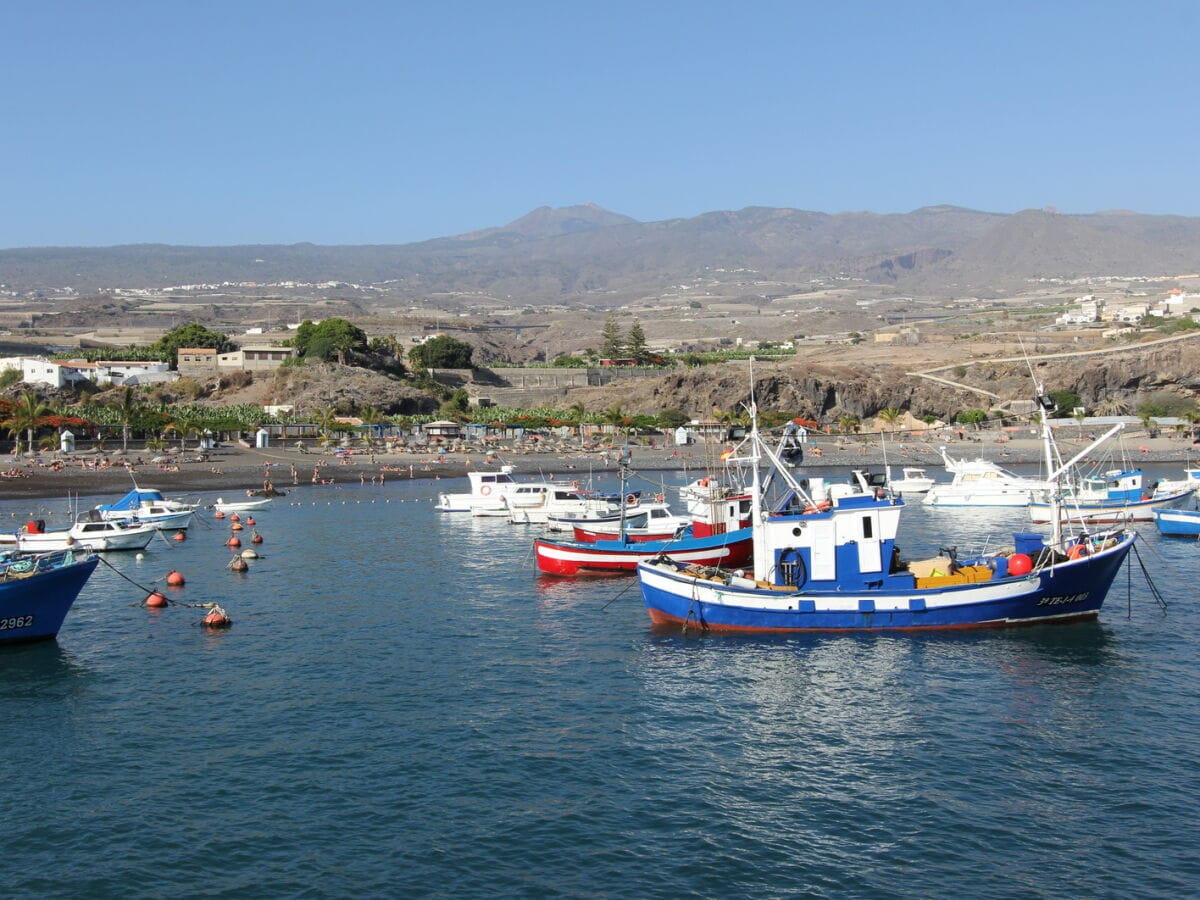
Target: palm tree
[(26, 416), (1112, 406), (127, 411), (326, 420), (1079, 415), (848, 424), (184, 424), (891, 416)]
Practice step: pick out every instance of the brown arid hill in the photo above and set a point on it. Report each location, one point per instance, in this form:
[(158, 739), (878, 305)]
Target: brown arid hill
[(827, 392), (587, 255)]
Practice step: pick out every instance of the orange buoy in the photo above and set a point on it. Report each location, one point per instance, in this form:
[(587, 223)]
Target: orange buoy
[(234, 541), (175, 579), (256, 539), (155, 600), (236, 526), (217, 618), (239, 565), (181, 535), (250, 520), (218, 515), (234, 517)]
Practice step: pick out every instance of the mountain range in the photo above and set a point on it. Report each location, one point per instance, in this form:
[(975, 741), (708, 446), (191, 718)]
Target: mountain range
[(585, 252)]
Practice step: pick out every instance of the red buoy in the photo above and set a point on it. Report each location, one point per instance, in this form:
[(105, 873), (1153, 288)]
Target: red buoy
[(181, 535), (218, 515), (236, 526), (217, 618), (175, 579), (257, 539), (234, 541), (235, 518), (250, 520), (155, 600), (1020, 564)]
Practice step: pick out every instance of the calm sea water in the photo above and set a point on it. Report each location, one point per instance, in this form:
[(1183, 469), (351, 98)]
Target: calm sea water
[(403, 707)]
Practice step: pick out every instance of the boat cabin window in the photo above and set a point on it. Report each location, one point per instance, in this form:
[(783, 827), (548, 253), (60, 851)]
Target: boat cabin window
[(868, 531)]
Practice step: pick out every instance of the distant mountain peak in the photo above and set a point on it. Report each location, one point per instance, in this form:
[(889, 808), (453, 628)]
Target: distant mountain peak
[(550, 221)]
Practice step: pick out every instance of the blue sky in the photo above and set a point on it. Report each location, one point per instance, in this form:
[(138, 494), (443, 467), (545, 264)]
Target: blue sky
[(387, 122)]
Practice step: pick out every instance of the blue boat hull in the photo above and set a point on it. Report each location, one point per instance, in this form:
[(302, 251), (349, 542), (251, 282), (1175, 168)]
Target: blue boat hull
[(33, 608), (1178, 523), (1070, 592)]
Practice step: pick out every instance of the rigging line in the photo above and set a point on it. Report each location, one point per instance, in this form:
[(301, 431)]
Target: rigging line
[(619, 595), (1154, 591)]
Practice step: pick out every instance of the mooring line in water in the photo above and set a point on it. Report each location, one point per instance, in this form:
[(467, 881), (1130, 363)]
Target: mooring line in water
[(619, 595), (152, 591), (1154, 591)]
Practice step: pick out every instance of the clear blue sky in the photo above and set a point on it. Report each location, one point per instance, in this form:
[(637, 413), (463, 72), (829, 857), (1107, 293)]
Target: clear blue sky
[(381, 122)]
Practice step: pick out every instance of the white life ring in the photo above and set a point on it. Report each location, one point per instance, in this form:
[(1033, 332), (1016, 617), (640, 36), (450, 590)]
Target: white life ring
[(485, 490)]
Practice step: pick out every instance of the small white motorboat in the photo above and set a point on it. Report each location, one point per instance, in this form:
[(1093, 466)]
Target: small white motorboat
[(87, 534), (247, 505), (913, 480)]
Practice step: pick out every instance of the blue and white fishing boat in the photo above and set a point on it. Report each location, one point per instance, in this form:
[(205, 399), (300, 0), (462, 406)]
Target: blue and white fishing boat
[(1118, 495), (1178, 522), (149, 505), (825, 558), (37, 591)]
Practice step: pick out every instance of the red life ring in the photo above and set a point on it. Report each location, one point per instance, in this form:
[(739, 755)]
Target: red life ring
[(631, 500), (485, 490), (1076, 551)]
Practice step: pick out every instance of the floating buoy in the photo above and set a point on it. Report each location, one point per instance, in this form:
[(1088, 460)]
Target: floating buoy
[(250, 521), (181, 536), (249, 553), (236, 526), (140, 556), (239, 565), (234, 541), (235, 518), (175, 579), (256, 539), (218, 515), (1020, 564), (217, 618), (155, 600)]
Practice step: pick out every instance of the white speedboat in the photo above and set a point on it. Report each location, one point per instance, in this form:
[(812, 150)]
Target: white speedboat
[(980, 482), (149, 505), (535, 503), (87, 534), (913, 480), (486, 497)]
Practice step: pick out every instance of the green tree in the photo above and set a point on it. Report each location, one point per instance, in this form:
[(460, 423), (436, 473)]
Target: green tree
[(334, 338), (191, 335), (635, 343), (848, 424), (612, 344), (974, 417), (25, 416), (1065, 400), (442, 352)]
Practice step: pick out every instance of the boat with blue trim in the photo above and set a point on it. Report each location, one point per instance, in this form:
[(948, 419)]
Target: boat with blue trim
[(825, 558), (1178, 522), (37, 591), (149, 505)]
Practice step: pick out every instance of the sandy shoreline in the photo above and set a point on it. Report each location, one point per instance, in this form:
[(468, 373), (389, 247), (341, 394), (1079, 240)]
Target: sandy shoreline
[(240, 469)]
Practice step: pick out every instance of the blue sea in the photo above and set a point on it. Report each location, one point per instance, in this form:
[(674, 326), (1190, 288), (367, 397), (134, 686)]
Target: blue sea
[(403, 707)]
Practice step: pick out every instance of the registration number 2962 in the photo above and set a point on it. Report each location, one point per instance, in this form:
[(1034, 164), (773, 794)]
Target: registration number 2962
[(15, 622)]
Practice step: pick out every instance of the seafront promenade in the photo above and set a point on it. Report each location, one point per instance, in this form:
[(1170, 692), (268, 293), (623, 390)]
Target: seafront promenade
[(240, 468)]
